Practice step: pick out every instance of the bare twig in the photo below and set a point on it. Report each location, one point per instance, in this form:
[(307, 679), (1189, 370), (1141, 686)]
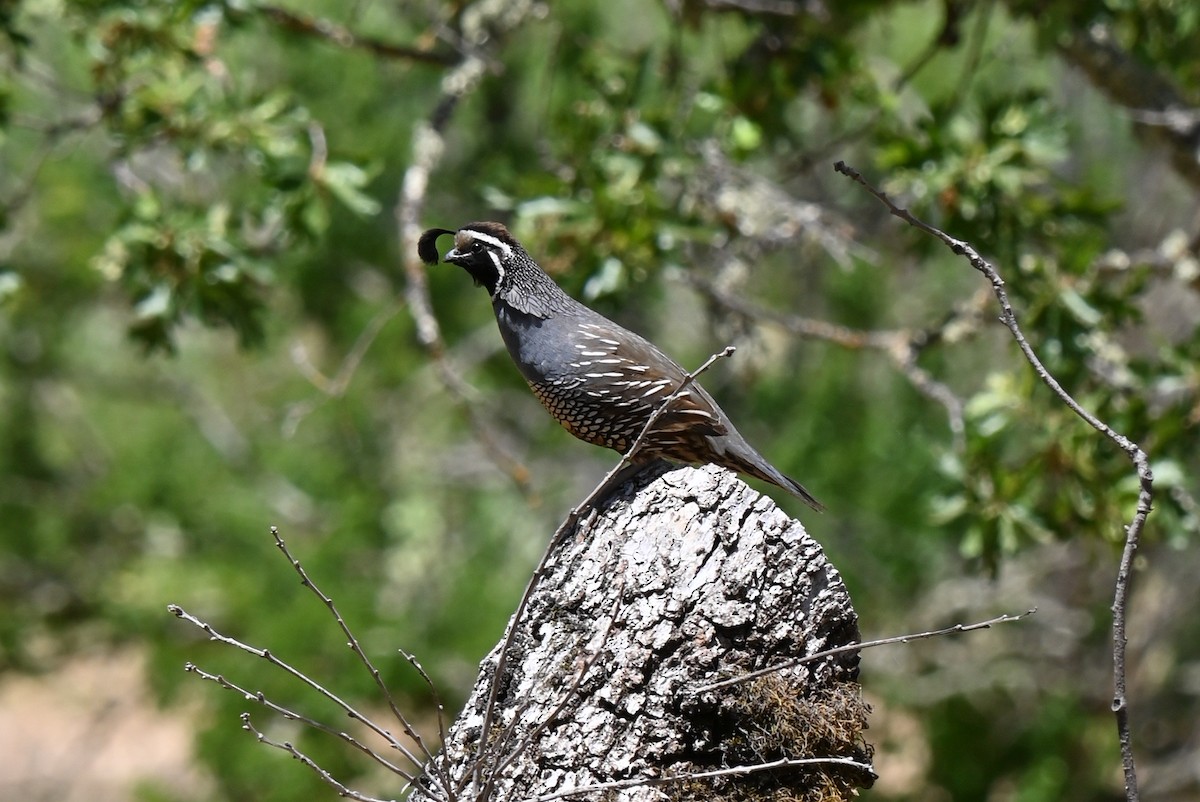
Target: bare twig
[(52, 134), (572, 518), (320, 150), (267, 655), (292, 715), (1183, 121), (437, 697), (1138, 457), (428, 146), (427, 151), (901, 346), (731, 771), (356, 647), (335, 386), (856, 647), (767, 216), (975, 49), (767, 8), (342, 37), (325, 776), (1138, 86)]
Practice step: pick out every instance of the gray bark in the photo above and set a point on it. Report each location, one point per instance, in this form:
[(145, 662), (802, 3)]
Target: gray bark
[(674, 582)]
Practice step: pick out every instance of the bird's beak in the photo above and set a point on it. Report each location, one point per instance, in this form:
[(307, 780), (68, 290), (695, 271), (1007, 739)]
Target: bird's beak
[(452, 256)]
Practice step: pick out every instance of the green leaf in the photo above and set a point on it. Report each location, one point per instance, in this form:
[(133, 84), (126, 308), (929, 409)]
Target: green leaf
[(745, 135), (346, 181)]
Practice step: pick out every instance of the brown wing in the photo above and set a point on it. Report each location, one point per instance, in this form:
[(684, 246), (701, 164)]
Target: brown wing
[(628, 378)]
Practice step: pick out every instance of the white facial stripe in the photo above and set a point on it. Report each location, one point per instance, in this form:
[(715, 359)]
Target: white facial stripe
[(499, 245), (499, 270)]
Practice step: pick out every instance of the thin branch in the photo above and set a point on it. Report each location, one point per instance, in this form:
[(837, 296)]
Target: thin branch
[(901, 346), (266, 654), (427, 152), (1138, 457), (356, 647), (688, 380), (52, 133), (1131, 83), (731, 771), (767, 216), (975, 49), (320, 150), (335, 386), (766, 8), (437, 697), (322, 28), (856, 647), (1183, 121), (573, 517), (428, 146), (328, 778), (292, 715)]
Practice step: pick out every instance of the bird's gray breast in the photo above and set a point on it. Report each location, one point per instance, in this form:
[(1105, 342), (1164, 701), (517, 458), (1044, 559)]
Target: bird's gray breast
[(537, 345), (585, 354)]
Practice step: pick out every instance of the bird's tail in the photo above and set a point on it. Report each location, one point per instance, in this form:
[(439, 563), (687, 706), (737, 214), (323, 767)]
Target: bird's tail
[(756, 465)]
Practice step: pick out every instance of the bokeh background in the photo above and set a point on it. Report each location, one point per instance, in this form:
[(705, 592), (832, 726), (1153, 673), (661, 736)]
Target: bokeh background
[(212, 321)]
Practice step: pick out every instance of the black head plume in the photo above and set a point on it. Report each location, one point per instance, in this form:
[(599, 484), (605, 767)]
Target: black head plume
[(427, 245)]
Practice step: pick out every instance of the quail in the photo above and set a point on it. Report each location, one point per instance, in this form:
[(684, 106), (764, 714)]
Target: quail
[(600, 381)]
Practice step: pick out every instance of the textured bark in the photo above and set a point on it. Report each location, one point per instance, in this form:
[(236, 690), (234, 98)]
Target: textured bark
[(675, 581)]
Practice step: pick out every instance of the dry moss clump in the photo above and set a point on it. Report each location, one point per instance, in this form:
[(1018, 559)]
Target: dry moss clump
[(767, 720)]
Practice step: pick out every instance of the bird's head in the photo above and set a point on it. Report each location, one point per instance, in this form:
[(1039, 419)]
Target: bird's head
[(485, 250), (498, 263)]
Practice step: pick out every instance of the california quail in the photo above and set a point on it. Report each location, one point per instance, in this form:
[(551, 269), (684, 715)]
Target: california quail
[(600, 381)]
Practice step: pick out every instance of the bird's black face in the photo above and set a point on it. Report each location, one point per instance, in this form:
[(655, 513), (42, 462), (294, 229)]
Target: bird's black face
[(482, 249)]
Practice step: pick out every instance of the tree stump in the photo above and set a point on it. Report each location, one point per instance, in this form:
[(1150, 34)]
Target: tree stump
[(675, 582)]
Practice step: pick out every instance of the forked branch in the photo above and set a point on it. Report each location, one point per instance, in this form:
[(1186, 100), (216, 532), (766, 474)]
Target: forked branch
[(1141, 463)]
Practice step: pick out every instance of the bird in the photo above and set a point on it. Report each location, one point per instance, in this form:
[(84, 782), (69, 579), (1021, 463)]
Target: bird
[(600, 381)]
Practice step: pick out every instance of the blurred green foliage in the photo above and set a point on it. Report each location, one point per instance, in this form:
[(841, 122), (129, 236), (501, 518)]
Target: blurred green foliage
[(196, 236)]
